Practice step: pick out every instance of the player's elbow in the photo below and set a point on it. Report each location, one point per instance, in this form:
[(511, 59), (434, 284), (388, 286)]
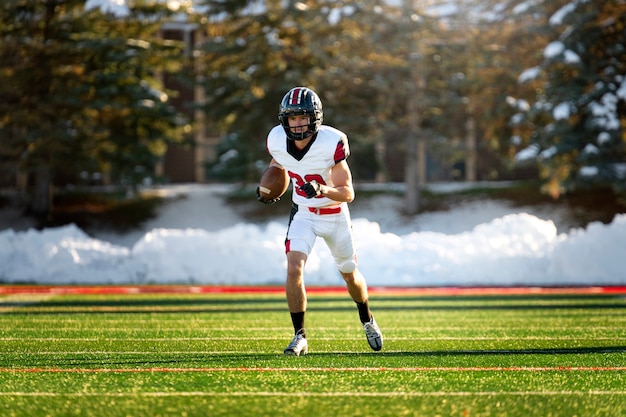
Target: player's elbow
[(348, 195)]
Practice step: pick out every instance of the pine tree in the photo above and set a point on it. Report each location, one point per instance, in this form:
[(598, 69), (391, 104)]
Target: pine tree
[(346, 51), (78, 92), (580, 113)]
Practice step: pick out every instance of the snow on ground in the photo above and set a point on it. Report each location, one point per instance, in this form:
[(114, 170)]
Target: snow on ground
[(199, 240)]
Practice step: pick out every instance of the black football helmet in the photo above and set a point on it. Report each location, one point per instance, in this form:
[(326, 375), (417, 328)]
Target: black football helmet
[(301, 101)]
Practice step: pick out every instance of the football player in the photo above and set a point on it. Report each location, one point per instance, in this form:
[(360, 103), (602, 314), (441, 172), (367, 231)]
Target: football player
[(314, 156)]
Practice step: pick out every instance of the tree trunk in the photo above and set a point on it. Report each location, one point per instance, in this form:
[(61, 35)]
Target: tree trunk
[(42, 194), (381, 159), (470, 149), (412, 192)]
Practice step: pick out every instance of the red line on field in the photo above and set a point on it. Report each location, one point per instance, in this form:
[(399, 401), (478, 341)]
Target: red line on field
[(325, 369), (227, 289)]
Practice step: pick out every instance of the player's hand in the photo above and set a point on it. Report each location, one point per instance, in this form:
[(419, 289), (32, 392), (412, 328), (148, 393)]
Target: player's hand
[(260, 198), (312, 189)]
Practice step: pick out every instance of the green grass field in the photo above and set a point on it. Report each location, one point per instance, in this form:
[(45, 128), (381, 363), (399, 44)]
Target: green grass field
[(207, 354)]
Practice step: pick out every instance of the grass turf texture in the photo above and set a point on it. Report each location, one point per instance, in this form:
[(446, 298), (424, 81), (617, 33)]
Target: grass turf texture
[(221, 355)]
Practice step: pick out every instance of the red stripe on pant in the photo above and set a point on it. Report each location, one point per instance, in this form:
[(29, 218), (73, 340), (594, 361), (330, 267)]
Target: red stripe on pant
[(325, 210)]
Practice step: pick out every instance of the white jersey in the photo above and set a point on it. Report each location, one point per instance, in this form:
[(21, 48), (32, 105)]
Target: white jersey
[(312, 163)]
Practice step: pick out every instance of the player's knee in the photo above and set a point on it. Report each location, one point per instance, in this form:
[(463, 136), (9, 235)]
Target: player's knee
[(347, 267), (295, 276), (295, 268), (296, 260)]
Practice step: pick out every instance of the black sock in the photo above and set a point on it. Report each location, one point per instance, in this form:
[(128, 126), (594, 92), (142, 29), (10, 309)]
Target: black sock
[(364, 311), (298, 322)]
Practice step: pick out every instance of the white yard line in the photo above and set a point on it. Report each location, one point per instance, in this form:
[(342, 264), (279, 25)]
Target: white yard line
[(315, 394), (322, 369), (233, 338)]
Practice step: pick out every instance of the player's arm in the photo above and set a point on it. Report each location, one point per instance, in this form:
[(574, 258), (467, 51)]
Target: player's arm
[(342, 179), (341, 190)]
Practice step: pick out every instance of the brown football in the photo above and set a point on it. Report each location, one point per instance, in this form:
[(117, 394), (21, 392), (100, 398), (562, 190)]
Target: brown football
[(274, 183)]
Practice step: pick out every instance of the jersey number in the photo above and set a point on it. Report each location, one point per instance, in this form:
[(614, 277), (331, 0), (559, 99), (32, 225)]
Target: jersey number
[(307, 178)]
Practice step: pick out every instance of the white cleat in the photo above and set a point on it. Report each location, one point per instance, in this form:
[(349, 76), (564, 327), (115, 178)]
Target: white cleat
[(298, 346), (374, 336)]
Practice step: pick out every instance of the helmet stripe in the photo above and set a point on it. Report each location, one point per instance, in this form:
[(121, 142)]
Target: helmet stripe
[(296, 96)]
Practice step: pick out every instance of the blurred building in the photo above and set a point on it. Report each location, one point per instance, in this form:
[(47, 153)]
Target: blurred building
[(186, 163), (181, 163)]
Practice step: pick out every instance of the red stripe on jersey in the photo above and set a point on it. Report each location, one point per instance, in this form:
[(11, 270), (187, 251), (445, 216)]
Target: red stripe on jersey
[(295, 96), (340, 152)]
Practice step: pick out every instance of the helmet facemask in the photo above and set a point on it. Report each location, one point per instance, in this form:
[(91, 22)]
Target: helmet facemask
[(301, 101)]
